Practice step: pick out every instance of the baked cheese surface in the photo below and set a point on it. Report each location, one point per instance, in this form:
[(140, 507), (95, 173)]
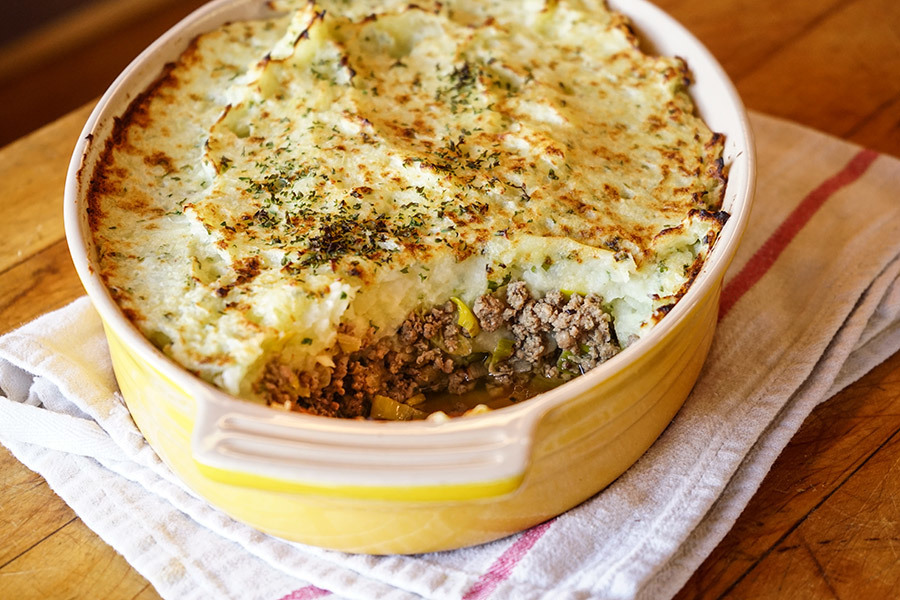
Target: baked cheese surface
[(340, 165)]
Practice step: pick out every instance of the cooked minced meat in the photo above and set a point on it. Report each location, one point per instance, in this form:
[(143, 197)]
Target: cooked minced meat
[(554, 338), (489, 310)]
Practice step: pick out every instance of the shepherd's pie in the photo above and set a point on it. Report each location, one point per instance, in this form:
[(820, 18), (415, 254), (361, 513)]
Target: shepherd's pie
[(383, 209)]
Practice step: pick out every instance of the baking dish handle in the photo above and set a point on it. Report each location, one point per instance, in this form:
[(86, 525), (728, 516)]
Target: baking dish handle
[(465, 458)]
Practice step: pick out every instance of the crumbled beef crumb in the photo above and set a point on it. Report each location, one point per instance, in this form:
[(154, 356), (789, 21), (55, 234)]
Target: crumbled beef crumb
[(517, 295), (489, 311), (557, 337)]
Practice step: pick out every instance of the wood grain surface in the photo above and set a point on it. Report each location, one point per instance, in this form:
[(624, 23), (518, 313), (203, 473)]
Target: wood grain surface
[(825, 523)]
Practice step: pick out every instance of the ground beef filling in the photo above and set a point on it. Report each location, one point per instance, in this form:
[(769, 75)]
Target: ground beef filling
[(523, 345)]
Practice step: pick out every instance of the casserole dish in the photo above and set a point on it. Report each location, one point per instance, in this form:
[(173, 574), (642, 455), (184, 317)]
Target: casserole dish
[(376, 487)]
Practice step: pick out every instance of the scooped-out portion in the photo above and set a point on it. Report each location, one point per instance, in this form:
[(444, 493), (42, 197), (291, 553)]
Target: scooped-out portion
[(454, 358), (388, 210)]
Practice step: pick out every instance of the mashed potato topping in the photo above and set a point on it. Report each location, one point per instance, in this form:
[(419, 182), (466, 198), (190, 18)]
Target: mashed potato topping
[(297, 190)]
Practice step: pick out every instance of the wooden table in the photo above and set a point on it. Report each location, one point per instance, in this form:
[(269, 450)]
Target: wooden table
[(825, 522)]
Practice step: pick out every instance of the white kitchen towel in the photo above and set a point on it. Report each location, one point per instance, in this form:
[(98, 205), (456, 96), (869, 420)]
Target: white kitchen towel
[(810, 304)]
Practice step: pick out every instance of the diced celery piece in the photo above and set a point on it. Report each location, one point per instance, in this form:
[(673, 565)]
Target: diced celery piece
[(467, 319), (502, 351), (388, 409)]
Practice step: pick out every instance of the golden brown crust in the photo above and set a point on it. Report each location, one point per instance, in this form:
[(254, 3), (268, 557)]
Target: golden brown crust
[(281, 171)]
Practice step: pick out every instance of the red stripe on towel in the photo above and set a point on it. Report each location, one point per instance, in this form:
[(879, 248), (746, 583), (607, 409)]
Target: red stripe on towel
[(309, 592), (769, 252), (504, 565)]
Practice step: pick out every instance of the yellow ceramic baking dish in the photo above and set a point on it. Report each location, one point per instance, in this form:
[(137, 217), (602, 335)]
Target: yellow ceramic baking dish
[(409, 487)]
